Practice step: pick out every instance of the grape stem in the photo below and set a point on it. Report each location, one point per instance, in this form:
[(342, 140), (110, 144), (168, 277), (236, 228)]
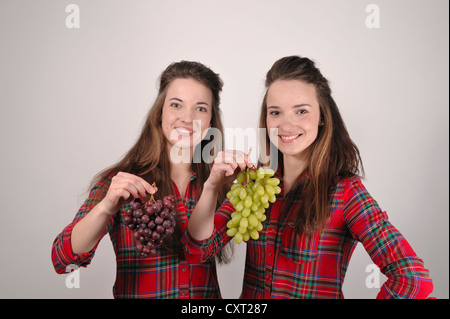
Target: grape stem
[(247, 176), (152, 198)]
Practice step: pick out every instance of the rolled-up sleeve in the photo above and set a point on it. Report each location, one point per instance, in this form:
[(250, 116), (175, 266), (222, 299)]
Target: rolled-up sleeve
[(62, 254), (386, 246), (202, 251)]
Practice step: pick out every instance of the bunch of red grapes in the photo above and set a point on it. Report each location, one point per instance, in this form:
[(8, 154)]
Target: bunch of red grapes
[(151, 222)]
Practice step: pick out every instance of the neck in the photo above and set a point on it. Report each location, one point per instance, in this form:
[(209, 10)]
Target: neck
[(180, 169), (180, 174), (180, 161), (292, 167)]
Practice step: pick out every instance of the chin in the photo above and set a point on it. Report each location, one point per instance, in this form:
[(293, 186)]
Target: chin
[(292, 151)]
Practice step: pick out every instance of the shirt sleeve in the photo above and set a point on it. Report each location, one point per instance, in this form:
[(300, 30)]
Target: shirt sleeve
[(62, 253), (389, 250), (202, 251)]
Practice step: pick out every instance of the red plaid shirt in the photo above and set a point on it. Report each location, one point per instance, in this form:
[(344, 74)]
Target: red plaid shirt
[(283, 264), (166, 275)]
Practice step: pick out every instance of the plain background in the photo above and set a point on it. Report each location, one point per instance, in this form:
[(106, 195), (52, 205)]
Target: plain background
[(73, 102)]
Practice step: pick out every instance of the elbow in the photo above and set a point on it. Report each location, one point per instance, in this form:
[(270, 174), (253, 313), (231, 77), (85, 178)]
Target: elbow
[(407, 288), (419, 288), (425, 288), (195, 252), (59, 267)]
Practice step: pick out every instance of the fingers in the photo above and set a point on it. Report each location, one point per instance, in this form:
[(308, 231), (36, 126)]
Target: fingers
[(132, 184), (227, 169), (124, 188), (234, 159), (244, 159), (124, 195)]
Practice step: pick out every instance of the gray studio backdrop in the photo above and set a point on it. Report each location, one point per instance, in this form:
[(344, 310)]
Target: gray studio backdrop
[(77, 81)]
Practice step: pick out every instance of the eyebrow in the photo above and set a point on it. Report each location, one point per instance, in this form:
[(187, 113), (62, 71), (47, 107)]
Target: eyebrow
[(294, 106), (180, 100)]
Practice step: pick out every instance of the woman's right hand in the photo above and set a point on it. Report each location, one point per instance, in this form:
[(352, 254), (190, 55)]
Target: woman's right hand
[(123, 189)]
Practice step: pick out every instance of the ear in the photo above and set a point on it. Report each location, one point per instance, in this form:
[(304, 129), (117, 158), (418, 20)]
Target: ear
[(321, 122)]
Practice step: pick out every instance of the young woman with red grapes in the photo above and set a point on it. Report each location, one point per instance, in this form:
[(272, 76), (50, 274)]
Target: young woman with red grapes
[(323, 209), (186, 107)]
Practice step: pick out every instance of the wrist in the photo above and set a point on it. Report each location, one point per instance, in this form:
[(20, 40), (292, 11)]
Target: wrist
[(103, 209), (211, 188)]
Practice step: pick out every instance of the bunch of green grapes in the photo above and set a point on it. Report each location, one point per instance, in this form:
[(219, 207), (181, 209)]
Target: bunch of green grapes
[(252, 193)]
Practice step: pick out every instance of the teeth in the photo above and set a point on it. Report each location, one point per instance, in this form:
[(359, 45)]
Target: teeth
[(289, 137), (182, 130)]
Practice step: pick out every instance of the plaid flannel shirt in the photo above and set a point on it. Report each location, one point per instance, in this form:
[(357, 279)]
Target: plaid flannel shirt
[(166, 275), (283, 264)]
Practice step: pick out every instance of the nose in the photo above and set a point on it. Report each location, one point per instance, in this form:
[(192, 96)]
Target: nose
[(187, 116), (286, 125)]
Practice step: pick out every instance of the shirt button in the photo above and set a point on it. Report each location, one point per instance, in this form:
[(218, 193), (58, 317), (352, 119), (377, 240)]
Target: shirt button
[(184, 269)]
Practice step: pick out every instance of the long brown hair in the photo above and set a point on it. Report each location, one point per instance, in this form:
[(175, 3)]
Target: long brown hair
[(333, 155), (148, 157)]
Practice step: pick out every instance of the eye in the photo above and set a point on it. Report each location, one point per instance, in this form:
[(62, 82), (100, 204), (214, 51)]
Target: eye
[(274, 113), (202, 109), (302, 112), (176, 105)]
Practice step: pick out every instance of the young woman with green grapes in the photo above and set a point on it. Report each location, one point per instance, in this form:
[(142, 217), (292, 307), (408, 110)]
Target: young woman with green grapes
[(322, 210)]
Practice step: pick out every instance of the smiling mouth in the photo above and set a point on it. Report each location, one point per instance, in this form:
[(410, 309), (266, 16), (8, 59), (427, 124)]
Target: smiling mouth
[(289, 138), (184, 131)]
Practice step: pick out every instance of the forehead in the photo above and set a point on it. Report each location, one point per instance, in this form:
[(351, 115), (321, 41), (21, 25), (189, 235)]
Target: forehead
[(189, 89), (291, 92)]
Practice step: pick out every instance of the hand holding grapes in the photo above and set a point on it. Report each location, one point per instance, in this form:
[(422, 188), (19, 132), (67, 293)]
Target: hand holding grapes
[(224, 170), (225, 167), (123, 189)]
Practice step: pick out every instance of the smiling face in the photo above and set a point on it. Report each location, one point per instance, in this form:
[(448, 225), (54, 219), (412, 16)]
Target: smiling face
[(186, 113), (293, 110)]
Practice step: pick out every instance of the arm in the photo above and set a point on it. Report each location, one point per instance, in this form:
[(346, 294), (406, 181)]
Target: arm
[(62, 252), (389, 250), (201, 222), (90, 229), (123, 188), (206, 231), (76, 244), (199, 251)]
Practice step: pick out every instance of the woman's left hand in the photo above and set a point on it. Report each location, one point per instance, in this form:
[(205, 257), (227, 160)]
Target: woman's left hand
[(225, 167)]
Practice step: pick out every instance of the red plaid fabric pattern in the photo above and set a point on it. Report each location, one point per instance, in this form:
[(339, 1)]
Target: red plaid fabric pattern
[(283, 264), (166, 275)]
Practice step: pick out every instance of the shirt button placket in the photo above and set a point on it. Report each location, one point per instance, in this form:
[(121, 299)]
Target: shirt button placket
[(270, 253), (184, 280)]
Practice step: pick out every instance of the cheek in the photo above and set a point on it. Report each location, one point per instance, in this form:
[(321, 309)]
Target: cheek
[(165, 123), (272, 129), (163, 116), (270, 123), (166, 117), (204, 121)]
